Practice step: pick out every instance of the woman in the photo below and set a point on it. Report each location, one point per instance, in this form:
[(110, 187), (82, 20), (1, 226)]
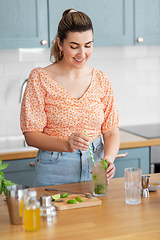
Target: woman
[(64, 99)]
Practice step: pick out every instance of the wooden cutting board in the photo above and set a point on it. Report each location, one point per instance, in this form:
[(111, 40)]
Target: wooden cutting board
[(87, 202)]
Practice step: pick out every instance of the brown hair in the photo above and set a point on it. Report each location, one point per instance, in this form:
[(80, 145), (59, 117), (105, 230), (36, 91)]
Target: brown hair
[(72, 21)]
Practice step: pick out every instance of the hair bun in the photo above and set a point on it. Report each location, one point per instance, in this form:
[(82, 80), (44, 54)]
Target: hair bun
[(71, 10)]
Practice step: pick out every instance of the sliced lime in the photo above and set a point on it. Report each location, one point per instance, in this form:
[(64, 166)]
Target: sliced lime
[(56, 197), (104, 164), (79, 199), (64, 195), (72, 201)]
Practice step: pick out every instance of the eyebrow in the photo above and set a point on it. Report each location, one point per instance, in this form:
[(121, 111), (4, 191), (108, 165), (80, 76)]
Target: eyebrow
[(78, 43)]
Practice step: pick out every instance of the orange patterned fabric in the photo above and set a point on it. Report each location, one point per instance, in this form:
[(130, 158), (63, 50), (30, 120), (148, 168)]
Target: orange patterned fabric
[(49, 108)]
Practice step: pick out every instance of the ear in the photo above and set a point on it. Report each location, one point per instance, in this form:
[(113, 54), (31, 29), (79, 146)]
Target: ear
[(60, 45)]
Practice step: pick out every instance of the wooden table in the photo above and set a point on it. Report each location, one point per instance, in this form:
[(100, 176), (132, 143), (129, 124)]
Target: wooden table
[(114, 219)]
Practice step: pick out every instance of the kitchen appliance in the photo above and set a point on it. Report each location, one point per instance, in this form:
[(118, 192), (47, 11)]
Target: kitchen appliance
[(148, 131)]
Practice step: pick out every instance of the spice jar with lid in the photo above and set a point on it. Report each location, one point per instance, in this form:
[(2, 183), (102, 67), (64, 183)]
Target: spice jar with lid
[(47, 210)]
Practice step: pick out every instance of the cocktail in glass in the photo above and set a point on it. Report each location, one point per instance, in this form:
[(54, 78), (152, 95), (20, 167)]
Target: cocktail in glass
[(99, 181)]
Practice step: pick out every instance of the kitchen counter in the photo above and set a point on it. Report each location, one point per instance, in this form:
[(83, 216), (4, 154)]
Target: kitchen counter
[(130, 140), (18, 153), (127, 140), (113, 219)]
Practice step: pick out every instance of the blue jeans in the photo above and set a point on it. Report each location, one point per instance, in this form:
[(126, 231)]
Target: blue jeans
[(53, 168)]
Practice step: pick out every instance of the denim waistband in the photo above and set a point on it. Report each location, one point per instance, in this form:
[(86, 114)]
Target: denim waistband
[(67, 167), (93, 146), (96, 141)]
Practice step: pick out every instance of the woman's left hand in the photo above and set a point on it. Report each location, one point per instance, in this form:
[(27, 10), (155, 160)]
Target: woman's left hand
[(110, 171)]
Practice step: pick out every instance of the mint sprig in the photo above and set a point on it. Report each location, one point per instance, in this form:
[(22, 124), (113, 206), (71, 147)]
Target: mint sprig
[(3, 182)]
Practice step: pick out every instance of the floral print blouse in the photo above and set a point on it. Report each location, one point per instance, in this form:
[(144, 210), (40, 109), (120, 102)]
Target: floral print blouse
[(49, 108)]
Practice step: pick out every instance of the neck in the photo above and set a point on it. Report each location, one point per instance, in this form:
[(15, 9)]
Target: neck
[(71, 72)]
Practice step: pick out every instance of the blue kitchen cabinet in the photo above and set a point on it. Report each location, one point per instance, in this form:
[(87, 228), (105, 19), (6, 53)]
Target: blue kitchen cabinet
[(33, 23), (20, 171), (23, 23), (147, 22), (137, 157), (112, 20)]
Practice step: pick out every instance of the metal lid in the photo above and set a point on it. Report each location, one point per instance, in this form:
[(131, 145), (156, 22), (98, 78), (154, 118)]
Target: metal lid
[(45, 200)]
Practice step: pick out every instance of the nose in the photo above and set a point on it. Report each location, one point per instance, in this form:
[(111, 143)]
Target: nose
[(81, 52)]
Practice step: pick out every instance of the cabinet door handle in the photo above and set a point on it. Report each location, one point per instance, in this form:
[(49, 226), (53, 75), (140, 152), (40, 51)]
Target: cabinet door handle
[(32, 164), (44, 42), (122, 155), (140, 40)]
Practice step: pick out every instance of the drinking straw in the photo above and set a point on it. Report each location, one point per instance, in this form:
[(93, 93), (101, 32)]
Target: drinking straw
[(90, 149)]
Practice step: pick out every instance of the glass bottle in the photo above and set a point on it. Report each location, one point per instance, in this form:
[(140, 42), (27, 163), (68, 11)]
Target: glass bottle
[(32, 219)]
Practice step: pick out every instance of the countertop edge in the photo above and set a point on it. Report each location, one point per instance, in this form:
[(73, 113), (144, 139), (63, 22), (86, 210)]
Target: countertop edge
[(146, 143), (18, 155)]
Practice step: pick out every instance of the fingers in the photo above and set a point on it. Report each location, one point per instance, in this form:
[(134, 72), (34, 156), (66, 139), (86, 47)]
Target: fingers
[(110, 171), (78, 141)]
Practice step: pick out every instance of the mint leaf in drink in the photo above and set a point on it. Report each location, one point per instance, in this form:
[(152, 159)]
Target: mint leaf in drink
[(104, 164)]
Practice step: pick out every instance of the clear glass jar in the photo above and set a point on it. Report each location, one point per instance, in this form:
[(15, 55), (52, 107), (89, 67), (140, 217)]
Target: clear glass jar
[(47, 210), (32, 219)]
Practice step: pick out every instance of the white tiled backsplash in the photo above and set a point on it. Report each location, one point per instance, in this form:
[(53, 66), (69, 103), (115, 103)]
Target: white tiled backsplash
[(134, 72)]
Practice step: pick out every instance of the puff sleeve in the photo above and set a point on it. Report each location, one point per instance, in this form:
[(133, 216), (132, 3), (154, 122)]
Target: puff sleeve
[(32, 115)]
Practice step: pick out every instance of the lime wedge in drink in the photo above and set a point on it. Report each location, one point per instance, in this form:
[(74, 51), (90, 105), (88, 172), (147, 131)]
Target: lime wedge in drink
[(56, 197), (104, 164)]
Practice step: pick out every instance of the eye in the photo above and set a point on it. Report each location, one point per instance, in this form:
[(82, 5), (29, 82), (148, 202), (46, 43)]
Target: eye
[(88, 46), (73, 47)]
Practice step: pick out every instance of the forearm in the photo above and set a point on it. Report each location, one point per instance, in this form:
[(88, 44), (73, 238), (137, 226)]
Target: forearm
[(111, 144), (45, 142)]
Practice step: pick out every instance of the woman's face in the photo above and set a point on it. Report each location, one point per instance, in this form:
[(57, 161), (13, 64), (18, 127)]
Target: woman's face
[(77, 48)]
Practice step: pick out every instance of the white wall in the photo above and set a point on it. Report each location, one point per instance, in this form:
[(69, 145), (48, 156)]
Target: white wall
[(134, 72), (135, 75)]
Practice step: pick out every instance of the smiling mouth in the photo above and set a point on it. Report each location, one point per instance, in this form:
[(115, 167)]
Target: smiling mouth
[(79, 60)]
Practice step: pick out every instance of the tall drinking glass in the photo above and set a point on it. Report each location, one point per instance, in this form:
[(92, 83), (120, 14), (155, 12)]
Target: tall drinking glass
[(133, 185), (99, 181)]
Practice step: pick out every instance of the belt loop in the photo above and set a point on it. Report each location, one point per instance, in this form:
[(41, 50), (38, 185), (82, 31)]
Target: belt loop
[(94, 147), (95, 142)]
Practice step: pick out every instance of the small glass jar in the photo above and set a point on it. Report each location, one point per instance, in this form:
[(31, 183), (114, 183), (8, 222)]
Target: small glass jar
[(47, 210), (32, 219)]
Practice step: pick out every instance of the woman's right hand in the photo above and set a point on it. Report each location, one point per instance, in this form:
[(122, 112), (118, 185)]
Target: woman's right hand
[(78, 141)]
